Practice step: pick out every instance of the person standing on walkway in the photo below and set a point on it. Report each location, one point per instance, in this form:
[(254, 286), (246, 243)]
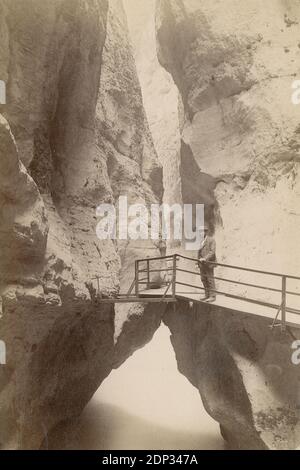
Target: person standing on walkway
[(206, 254)]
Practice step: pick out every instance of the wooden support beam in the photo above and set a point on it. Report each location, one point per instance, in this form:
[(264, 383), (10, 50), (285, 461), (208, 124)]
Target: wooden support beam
[(174, 276), (136, 278), (283, 304), (148, 274)]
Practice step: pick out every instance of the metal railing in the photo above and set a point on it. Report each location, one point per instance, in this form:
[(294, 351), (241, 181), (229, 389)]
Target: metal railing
[(174, 268)]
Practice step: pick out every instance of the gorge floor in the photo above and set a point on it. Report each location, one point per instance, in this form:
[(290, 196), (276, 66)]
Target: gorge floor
[(146, 404)]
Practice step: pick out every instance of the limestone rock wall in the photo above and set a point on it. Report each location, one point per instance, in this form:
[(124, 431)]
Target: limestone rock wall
[(243, 372), (160, 95), (234, 67), (73, 135)]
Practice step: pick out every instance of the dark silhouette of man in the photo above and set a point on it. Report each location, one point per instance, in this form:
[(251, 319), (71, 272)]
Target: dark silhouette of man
[(207, 253)]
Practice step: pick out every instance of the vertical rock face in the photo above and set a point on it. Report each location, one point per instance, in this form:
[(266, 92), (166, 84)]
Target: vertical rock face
[(23, 215), (131, 164), (160, 95), (120, 116), (73, 135), (234, 66), (243, 372)]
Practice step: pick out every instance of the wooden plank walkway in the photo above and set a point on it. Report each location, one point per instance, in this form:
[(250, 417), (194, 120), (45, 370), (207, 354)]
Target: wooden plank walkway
[(227, 303), (267, 294)]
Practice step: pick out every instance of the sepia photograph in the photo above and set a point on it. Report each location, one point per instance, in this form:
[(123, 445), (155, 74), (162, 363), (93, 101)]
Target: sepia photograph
[(149, 228)]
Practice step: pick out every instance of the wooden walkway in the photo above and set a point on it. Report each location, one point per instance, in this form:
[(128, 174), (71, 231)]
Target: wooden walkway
[(226, 303), (171, 278)]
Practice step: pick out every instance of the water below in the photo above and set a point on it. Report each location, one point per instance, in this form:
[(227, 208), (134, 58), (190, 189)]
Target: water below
[(147, 404)]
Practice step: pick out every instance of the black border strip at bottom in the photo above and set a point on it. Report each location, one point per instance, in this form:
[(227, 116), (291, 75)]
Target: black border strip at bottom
[(134, 459)]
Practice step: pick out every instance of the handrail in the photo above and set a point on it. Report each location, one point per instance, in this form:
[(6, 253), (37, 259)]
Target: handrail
[(219, 278), (174, 281), (231, 266), (157, 258), (283, 307), (258, 271), (233, 296), (232, 281), (155, 270)]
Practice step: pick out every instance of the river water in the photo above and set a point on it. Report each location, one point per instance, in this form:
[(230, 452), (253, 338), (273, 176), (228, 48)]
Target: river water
[(147, 404)]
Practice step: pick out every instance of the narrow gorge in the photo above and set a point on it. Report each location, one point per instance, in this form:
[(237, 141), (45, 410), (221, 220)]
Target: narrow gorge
[(177, 101)]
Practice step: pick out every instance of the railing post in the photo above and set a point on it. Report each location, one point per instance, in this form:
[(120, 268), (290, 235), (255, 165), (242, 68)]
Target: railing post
[(136, 278), (174, 276), (148, 274), (283, 304)]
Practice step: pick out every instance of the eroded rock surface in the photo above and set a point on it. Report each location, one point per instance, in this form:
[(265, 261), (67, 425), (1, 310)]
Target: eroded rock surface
[(234, 68), (160, 94), (74, 135), (243, 371)]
